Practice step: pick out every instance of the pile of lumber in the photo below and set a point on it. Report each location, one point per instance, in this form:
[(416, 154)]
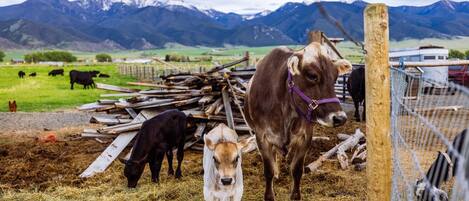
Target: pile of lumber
[(208, 98)]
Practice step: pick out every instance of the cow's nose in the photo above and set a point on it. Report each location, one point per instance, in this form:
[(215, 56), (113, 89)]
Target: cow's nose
[(226, 181), (339, 120)]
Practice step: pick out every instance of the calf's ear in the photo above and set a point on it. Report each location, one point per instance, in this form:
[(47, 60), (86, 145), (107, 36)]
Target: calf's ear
[(244, 143), (343, 66), (209, 143), (293, 64)]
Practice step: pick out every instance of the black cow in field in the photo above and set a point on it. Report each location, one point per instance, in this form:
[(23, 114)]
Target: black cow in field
[(33, 74), (21, 74), (356, 89), (56, 72), (83, 78), (157, 137), (104, 75), (445, 166)]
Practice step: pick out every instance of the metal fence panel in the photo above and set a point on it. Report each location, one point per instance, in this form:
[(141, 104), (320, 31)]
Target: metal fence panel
[(430, 150)]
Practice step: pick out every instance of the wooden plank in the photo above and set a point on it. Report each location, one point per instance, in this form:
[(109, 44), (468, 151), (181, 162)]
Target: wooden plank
[(91, 106), (112, 151), (206, 99), (200, 130), (211, 109), (120, 95), (96, 135), (217, 68), (378, 103), (114, 88), (107, 102), (157, 85), (144, 103)]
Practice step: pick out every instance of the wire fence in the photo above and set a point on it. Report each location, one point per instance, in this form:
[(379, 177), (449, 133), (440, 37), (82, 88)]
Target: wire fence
[(149, 72), (430, 150)]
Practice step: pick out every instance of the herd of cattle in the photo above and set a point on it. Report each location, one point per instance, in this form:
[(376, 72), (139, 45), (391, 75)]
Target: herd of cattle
[(84, 78)]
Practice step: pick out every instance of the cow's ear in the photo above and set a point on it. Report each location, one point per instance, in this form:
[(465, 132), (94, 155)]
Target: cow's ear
[(343, 66), (293, 64), (209, 143)]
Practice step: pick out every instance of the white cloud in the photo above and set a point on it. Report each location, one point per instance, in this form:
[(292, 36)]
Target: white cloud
[(252, 6), (9, 2)]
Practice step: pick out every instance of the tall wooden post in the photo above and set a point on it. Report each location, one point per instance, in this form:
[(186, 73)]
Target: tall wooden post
[(378, 103), (246, 55), (315, 36)]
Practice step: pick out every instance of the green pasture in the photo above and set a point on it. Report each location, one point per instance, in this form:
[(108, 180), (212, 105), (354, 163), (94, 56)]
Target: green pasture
[(47, 93)]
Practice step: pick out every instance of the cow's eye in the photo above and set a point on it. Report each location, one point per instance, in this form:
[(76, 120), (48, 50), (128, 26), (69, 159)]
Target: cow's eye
[(312, 77), (236, 160), (215, 159)]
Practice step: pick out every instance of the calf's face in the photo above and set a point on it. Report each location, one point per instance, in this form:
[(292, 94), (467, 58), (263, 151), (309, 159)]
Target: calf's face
[(226, 158), (133, 171), (315, 73)]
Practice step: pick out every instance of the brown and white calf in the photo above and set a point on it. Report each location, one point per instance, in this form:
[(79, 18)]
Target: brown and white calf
[(290, 91), (223, 176)]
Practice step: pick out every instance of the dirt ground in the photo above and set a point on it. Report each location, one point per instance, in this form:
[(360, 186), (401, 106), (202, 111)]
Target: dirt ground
[(32, 170)]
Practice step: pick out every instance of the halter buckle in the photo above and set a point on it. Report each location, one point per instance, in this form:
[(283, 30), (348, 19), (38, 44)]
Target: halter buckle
[(313, 105)]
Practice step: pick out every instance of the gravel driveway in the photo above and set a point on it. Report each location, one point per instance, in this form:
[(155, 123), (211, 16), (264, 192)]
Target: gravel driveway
[(21, 121)]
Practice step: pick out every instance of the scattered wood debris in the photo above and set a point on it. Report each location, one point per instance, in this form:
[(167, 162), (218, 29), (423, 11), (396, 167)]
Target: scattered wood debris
[(349, 143)]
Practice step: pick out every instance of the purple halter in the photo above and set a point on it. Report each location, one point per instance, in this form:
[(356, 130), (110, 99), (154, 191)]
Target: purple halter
[(312, 104)]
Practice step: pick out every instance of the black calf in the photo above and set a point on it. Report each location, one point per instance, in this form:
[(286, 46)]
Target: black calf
[(157, 137), (32, 74), (56, 72), (21, 74), (356, 89), (104, 75)]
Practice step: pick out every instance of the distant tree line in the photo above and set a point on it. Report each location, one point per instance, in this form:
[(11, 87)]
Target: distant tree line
[(103, 58), (2, 55), (456, 54), (182, 58), (49, 56)]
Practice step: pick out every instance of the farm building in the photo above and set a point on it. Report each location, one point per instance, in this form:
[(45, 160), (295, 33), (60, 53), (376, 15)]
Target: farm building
[(427, 53)]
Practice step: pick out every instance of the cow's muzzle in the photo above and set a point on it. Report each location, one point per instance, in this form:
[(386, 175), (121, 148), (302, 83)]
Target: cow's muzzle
[(334, 119)]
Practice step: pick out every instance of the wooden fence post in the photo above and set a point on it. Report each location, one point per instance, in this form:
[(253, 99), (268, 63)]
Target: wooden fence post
[(246, 55), (378, 103)]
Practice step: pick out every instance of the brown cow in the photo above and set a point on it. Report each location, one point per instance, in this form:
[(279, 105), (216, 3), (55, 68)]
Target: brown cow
[(289, 91)]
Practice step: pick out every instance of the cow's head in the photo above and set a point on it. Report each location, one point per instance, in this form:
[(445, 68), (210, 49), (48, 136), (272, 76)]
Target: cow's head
[(226, 159), (315, 73), (133, 171)]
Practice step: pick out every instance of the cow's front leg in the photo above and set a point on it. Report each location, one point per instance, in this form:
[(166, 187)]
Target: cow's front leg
[(299, 147), (269, 159), (364, 111), (357, 110)]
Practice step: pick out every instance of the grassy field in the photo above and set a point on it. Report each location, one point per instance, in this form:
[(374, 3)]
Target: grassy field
[(47, 93)]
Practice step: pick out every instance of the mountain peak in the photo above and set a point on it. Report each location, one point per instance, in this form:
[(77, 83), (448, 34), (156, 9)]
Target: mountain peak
[(107, 4)]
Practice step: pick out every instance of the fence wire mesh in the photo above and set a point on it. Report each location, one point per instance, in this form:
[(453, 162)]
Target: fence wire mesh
[(430, 150)]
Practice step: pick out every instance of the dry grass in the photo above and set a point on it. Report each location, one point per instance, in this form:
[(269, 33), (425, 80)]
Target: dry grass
[(35, 171)]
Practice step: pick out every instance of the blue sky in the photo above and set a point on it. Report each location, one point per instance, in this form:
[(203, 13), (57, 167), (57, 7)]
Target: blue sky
[(252, 6)]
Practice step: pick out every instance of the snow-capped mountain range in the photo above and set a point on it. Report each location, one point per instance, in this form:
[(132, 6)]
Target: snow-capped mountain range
[(142, 24), (106, 4)]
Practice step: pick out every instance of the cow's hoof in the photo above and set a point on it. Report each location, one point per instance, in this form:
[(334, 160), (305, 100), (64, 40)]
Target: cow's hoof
[(295, 196), (155, 180), (178, 175), (170, 172), (269, 197)]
